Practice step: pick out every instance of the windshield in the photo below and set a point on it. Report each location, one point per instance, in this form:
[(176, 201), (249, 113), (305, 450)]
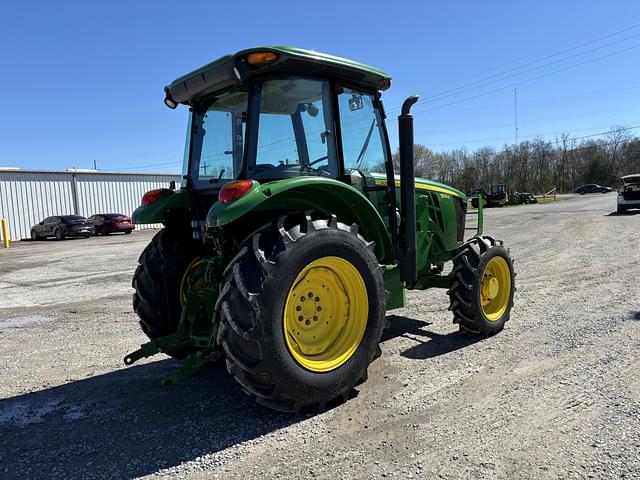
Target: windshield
[(295, 132), (288, 132), (218, 148)]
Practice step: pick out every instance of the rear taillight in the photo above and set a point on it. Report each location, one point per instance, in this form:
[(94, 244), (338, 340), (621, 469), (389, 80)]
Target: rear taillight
[(234, 190), (155, 195)]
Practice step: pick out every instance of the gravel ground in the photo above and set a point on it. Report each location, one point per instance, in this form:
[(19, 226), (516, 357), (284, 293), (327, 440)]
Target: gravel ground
[(555, 395)]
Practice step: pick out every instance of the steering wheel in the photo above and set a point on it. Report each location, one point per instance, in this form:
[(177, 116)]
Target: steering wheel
[(326, 157)]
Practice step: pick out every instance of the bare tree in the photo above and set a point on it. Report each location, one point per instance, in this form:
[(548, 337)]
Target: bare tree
[(534, 166)]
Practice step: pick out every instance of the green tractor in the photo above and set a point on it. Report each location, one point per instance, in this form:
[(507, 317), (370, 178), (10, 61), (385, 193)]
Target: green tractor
[(291, 236), (498, 196)]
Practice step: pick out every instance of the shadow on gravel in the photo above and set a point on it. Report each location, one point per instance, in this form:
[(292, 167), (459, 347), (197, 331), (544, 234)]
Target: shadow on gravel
[(436, 344), (636, 316), (124, 424), (628, 213)]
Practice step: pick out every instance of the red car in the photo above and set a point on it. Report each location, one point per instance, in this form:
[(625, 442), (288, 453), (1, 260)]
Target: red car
[(107, 223)]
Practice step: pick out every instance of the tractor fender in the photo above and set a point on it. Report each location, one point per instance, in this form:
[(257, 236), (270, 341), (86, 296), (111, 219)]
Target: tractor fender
[(156, 211), (303, 194)]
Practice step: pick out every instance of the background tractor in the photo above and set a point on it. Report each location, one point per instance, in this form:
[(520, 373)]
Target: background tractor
[(291, 236), (519, 198), (496, 197)]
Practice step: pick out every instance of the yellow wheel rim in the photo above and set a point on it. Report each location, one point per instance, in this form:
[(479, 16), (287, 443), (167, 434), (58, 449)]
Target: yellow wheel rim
[(325, 314), (193, 278), (495, 288)]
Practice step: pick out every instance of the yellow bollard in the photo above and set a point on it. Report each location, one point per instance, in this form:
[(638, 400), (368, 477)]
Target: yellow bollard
[(5, 233)]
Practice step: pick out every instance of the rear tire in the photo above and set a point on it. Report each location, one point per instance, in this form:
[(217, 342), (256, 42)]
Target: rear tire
[(59, 234), (482, 285), (622, 210), (254, 331), (34, 236), (157, 282)]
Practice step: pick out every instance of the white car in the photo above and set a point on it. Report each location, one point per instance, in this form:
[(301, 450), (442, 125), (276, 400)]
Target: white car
[(629, 193)]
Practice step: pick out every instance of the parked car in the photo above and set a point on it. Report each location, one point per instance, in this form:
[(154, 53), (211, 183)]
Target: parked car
[(593, 188), (62, 226), (629, 193), (107, 223)]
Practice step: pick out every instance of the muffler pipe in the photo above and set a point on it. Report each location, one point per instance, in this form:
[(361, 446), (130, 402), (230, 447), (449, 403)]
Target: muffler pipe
[(408, 269)]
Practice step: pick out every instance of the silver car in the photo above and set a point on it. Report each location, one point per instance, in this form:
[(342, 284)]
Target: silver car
[(629, 193)]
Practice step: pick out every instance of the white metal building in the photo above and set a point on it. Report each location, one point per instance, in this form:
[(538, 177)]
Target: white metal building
[(29, 196)]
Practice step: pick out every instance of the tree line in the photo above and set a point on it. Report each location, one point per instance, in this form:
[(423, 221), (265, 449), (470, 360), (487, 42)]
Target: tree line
[(534, 166)]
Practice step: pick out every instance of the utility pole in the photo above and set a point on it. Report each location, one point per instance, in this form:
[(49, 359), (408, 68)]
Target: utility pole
[(95, 165), (515, 111)]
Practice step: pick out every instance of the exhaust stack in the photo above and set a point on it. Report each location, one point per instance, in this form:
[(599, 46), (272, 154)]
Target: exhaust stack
[(408, 270)]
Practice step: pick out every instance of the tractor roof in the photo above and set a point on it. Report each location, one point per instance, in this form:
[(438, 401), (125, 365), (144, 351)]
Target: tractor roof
[(238, 68)]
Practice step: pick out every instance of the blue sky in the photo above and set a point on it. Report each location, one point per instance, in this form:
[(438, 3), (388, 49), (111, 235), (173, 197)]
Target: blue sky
[(82, 81)]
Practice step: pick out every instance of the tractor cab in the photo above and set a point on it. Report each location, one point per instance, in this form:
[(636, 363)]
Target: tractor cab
[(277, 113), (499, 189), (292, 131)]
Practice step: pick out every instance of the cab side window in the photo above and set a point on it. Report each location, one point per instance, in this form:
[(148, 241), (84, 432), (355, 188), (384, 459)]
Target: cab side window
[(361, 127)]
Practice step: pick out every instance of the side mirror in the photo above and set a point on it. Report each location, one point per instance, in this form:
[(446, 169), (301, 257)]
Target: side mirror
[(355, 103), (41, 223), (172, 185), (312, 110)]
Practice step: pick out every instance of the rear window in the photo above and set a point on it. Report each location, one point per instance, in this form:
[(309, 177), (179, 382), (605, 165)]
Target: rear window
[(114, 215), (632, 181), (72, 218)]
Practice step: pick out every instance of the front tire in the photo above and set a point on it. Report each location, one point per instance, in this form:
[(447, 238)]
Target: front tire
[(302, 313), (34, 236), (157, 283), (482, 285), (59, 234)]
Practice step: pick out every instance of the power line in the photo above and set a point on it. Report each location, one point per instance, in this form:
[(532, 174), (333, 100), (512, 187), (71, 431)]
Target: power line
[(537, 61), (533, 137), (459, 91), (583, 147), (532, 121), (634, 127), (632, 27), (536, 101), (528, 80), (475, 85), (151, 165)]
